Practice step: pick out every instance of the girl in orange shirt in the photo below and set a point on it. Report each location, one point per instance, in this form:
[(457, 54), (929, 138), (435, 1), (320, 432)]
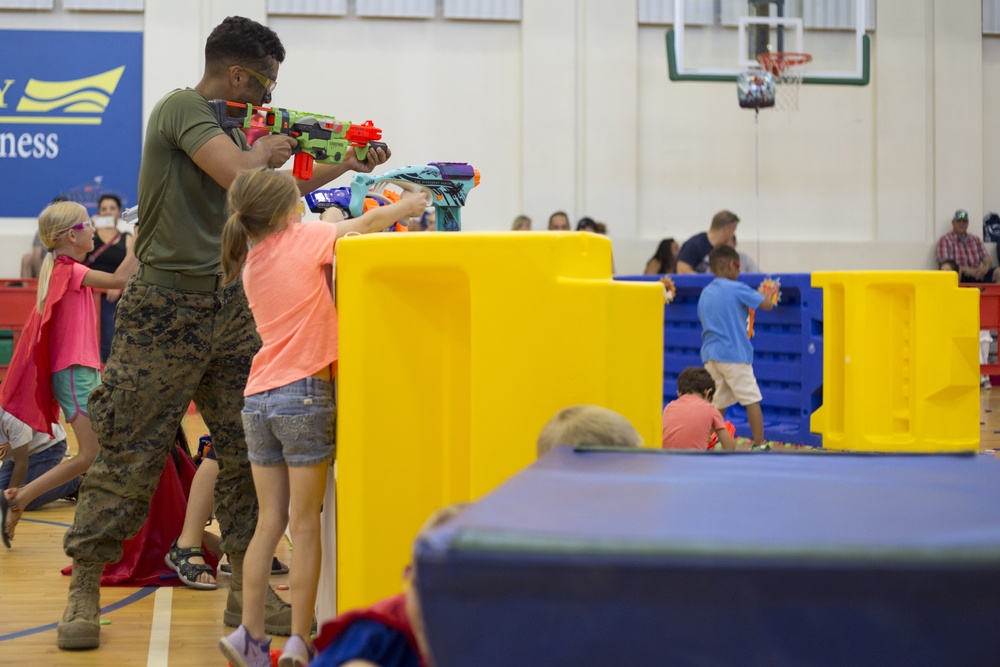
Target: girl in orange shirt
[(290, 410)]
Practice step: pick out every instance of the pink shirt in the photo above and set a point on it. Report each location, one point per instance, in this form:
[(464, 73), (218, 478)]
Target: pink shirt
[(291, 303), (73, 334), (689, 421)]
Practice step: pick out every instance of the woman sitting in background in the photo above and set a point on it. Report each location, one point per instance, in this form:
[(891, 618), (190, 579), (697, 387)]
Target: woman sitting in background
[(665, 259)]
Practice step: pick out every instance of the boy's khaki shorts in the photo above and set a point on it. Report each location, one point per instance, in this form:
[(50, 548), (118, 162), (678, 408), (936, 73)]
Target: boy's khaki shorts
[(734, 383)]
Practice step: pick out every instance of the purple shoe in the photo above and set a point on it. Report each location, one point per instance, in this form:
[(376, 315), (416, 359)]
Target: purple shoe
[(296, 653), (244, 651)]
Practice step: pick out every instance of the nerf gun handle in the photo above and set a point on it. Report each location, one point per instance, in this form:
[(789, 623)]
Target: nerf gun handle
[(302, 164)]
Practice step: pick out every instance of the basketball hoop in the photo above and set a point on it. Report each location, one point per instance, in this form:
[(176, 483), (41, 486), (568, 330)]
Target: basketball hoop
[(788, 69)]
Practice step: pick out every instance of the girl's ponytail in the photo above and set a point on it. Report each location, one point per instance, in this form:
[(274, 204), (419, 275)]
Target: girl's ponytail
[(258, 200), (44, 275), (234, 248)]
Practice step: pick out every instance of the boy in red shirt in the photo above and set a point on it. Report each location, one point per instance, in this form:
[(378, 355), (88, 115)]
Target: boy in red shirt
[(689, 421)]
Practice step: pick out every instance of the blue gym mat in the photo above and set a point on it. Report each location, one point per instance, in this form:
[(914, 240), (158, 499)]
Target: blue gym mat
[(657, 558)]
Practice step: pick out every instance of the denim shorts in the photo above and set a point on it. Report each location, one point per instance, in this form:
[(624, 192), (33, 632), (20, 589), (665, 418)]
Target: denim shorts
[(293, 424)]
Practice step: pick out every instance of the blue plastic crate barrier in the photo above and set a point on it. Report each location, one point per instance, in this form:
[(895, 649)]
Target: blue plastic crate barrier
[(788, 352)]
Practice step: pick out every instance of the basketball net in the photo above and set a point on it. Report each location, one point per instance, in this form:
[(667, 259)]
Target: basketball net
[(788, 69)]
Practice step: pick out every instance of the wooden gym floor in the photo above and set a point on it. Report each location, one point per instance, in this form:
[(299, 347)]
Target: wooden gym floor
[(149, 626), (153, 626)]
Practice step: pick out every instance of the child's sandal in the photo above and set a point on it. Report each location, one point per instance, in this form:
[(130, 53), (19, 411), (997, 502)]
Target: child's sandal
[(179, 560)]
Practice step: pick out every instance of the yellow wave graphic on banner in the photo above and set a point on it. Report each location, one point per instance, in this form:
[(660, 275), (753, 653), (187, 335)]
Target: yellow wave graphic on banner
[(77, 96), (87, 101)]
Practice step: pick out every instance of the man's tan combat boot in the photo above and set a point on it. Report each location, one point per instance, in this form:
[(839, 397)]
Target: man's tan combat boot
[(80, 627), (277, 612)]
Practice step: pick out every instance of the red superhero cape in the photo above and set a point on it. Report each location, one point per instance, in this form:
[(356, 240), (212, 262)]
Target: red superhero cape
[(26, 391), (390, 612), (142, 556)]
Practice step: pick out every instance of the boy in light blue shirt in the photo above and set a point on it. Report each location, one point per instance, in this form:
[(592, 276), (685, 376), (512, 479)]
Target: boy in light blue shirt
[(724, 309)]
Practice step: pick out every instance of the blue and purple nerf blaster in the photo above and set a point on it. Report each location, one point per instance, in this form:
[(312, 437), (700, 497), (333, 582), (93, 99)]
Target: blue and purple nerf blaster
[(340, 198), (446, 183), (320, 200)]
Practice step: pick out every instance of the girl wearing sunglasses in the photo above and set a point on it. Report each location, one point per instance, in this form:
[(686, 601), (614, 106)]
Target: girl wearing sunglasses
[(57, 359)]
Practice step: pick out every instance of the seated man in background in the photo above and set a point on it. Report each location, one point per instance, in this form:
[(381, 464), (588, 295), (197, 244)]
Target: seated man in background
[(968, 251), (693, 255)]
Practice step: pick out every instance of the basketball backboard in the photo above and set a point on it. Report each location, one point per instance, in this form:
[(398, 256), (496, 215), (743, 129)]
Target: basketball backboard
[(714, 40)]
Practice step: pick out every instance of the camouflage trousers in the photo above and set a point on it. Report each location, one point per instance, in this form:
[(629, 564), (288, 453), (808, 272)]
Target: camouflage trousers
[(170, 347)]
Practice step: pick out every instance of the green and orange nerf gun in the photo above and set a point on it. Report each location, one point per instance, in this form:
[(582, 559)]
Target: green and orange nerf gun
[(322, 139)]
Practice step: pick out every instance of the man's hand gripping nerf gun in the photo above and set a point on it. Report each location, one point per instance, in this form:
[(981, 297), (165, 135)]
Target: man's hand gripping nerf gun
[(340, 198), (446, 183), (322, 139)]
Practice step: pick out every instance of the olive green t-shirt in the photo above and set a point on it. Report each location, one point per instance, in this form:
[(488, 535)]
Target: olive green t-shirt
[(181, 208)]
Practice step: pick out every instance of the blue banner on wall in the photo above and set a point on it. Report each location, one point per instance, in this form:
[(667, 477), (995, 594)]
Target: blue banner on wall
[(70, 117)]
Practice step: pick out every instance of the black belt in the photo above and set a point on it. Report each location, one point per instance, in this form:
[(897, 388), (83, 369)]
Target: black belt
[(180, 281)]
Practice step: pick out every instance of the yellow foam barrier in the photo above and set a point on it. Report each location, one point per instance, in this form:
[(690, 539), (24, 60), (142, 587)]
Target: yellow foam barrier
[(455, 351), (900, 362)]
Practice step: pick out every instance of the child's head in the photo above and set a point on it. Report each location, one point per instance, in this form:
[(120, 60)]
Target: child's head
[(696, 380), (57, 220), (63, 226), (260, 202), (588, 425), (724, 262), (948, 265)]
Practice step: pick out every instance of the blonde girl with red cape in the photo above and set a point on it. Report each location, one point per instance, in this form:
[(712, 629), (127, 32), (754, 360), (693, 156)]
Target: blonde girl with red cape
[(57, 359)]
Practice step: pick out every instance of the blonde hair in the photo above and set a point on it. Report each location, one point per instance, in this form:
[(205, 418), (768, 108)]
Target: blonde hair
[(258, 199), (588, 425), (53, 224), (440, 516), (521, 222)]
